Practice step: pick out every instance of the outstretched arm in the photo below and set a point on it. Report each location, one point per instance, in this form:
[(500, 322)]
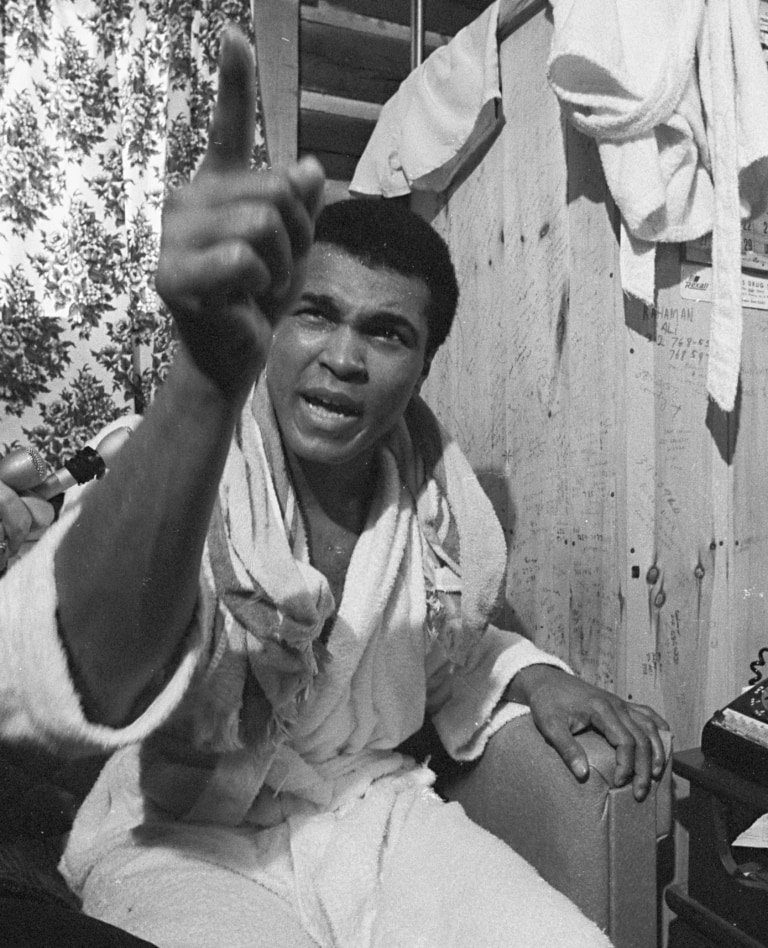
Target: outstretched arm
[(231, 257)]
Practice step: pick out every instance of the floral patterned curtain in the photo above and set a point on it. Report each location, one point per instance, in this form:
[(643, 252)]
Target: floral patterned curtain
[(104, 104)]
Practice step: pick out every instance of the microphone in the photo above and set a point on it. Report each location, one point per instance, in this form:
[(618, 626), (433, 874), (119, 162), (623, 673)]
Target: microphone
[(23, 469)]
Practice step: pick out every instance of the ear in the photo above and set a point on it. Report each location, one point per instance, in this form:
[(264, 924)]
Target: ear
[(424, 373)]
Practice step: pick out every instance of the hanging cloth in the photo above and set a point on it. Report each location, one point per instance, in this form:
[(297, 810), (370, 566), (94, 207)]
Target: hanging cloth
[(441, 114), (676, 96)]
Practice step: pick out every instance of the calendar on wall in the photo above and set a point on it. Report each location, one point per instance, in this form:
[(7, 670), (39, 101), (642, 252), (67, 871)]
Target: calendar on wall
[(754, 245), (754, 234)]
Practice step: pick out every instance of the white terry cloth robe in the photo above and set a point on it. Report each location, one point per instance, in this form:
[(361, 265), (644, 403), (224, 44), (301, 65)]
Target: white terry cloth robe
[(209, 828)]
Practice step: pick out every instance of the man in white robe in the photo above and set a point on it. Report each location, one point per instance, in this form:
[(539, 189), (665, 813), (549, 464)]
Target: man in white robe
[(271, 588)]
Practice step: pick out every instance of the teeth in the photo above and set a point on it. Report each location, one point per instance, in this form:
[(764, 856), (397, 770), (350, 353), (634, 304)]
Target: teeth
[(330, 407)]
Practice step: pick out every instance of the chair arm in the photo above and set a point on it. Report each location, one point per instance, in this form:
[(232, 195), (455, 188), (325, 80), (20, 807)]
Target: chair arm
[(592, 841)]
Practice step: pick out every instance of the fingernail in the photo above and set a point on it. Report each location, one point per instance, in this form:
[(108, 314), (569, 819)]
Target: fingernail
[(580, 769)]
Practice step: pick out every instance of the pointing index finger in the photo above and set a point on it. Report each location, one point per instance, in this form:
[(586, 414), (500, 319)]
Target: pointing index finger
[(230, 139)]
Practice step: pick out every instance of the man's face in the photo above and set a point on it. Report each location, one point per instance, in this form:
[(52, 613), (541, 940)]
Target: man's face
[(346, 359)]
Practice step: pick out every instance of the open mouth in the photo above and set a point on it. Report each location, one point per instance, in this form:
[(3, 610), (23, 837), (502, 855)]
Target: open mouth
[(332, 409)]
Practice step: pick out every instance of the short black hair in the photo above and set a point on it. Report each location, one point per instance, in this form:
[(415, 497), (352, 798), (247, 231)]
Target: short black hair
[(383, 232)]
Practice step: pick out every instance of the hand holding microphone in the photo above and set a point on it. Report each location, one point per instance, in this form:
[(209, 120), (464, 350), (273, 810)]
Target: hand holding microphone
[(21, 519), (24, 470)]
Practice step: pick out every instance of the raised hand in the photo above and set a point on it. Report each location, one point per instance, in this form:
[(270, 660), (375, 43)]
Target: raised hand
[(234, 239)]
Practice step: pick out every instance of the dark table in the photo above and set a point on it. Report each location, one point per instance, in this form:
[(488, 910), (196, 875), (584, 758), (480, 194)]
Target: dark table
[(726, 900)]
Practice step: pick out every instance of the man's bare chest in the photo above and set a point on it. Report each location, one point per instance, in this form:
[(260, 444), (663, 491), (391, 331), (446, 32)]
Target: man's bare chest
[(330, 549)]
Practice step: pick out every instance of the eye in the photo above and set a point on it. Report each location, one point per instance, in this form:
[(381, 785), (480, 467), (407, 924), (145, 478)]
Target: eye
[(311, 314), (390, 334)]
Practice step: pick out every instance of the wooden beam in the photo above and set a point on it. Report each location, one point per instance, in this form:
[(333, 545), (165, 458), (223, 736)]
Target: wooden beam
[(335, 133), (336, 190), (336, 105), (337, 167), (351, 63), (329, 14), (513, 13), (276, 23), (441, 16)]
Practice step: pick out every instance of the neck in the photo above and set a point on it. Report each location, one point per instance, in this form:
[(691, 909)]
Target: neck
[(342, 493)]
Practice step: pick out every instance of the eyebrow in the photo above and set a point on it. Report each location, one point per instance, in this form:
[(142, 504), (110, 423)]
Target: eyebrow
[(320, 299)]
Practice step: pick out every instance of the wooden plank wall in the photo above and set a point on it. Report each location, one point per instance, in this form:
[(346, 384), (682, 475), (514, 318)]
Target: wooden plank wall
[(536, 345), (636, 514), (276, 26)]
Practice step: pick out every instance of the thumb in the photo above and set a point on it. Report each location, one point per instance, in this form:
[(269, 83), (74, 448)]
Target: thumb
[(230, 137), (41, 511)]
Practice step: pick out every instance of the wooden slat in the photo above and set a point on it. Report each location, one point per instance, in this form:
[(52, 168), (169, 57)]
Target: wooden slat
[(337, 134), (337, 166), (639, 641), (748, 547), (593, 417), (276, 23), (329, 14), (347, 63), (514, 13), (441, 16), (441, 22), (336, 190), (336, 105), (674, 488)]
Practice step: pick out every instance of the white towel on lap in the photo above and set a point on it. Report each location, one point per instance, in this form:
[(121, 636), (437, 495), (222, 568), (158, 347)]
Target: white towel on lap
[(396, 869)]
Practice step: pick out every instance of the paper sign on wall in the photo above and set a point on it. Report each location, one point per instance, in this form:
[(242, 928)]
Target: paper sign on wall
[(696, 284)]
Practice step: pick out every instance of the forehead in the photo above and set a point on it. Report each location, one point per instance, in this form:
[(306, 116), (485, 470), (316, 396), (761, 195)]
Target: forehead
[(353, 286)]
